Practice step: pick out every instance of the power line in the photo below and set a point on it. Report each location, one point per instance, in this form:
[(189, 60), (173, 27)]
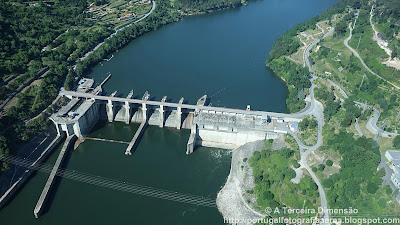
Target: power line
[(114, 184), (236, 80)]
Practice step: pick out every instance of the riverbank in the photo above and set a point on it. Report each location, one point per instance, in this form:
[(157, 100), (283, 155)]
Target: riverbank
[(21, 174), (233, 199), (159, 16)]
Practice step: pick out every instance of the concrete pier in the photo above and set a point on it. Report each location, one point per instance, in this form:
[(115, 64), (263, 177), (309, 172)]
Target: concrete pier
[(179, 115), (128, 108), (192, 140), (132, 145), (50, 182), (145, 97), (127, 112), (162, 111), (110, 108)]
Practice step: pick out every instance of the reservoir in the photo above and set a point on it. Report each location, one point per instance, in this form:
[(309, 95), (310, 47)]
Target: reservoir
[(220, 54)]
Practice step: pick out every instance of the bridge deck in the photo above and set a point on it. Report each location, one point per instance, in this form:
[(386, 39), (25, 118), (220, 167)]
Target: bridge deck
[(176, 105), (136, 138)]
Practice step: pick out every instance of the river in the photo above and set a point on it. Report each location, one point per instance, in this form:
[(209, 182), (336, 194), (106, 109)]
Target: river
[(220, 54)]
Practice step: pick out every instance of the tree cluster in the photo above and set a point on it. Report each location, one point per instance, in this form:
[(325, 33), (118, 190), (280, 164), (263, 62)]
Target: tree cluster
[(357, 175), (272, 174), (308, 123), (191, 6)]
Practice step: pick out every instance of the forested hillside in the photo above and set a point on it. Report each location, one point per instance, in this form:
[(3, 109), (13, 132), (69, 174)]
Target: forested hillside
[(25, 30), (388, 18), (206, 5), (354, 150)]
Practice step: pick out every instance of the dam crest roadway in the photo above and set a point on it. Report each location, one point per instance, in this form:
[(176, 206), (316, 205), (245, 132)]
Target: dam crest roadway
[(210, 126)]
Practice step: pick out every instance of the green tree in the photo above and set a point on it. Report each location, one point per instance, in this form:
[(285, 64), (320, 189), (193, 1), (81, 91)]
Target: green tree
[(396, 142), (69, 80)]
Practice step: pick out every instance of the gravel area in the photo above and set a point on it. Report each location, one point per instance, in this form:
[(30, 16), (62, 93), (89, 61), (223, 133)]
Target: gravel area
[(278, 143), (233, 200), (299, 175)]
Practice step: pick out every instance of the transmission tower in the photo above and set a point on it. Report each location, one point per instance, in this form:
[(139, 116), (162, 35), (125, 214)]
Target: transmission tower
[(358, 43), (362, 81), (380, 131)]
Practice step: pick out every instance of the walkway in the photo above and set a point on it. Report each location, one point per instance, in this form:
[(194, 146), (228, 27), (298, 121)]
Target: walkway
[(106, 140), (50, 182), (186, 106)]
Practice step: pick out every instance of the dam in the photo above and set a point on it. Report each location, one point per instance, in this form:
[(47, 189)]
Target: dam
[(210, 126)]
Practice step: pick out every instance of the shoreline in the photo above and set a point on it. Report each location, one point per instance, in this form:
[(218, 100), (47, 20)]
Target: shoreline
[(180, 17), (233, 199), (10, 193)]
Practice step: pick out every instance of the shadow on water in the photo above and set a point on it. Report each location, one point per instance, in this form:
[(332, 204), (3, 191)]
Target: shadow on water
[(99, 125)]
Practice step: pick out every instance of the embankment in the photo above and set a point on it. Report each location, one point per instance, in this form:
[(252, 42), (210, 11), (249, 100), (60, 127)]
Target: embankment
[(232, 199)]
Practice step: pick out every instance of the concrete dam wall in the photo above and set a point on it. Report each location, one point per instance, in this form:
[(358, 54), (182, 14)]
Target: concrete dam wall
[(208, 128), (231, 140)]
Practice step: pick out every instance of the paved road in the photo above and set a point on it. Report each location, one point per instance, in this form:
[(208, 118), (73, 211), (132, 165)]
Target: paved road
[(373, 128), (371, 124), (346, 42), (306, 150), (317, 110), (310, 46), (338, 88)]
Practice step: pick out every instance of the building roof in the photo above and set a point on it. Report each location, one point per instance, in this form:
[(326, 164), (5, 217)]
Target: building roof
[(294, 125), (396, 165), (397, 176), (395, 154)]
